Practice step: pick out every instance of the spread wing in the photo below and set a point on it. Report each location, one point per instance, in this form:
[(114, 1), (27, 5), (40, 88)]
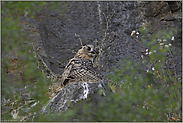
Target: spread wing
[(80, 70)]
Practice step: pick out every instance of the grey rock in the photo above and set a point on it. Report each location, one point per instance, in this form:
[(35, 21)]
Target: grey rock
[(74, 93)]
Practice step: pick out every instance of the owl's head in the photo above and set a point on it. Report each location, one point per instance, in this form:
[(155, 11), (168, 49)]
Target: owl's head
[(87, 51)]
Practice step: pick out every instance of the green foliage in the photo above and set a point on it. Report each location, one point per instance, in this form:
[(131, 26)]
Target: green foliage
[(22, 84)]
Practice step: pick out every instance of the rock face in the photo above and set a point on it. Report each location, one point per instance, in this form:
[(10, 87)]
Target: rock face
[(107, 25), (73, 93)]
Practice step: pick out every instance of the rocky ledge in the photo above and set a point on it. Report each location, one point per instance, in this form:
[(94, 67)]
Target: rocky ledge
[(77, 92)]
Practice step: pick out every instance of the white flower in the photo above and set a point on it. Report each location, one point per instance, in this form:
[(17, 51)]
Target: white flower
[(154, 50), (153, 68), (137, 33), (132, 32), (147, 71), (149, 53), (137, 36), (142, 56), (167, 46), (146, 53), (158, 39), (161, 44), (164, 39), (172, 38), (170, 44), (146, 50)]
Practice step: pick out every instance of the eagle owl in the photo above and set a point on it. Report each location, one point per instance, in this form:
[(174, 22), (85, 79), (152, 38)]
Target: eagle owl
[(80, 68)]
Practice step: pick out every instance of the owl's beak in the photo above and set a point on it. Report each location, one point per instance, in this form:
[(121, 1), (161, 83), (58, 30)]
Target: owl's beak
[(94, 51)]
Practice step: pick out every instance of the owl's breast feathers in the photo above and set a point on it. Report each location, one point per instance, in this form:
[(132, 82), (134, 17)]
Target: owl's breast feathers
[(80, 70)]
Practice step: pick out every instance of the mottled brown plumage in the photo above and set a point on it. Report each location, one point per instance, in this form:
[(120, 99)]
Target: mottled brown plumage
[(80, 68)]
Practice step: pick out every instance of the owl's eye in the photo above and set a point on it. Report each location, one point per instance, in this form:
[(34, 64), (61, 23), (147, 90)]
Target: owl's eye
[(89, 48)]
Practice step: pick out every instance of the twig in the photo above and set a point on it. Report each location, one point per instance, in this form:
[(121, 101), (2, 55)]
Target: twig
[(107, 59), (107, 18), (142, 48), (168, 70), (150, 105), (140, 44), (173, 65), (79, 39), (161, 77), (164, 74), (152, 64)]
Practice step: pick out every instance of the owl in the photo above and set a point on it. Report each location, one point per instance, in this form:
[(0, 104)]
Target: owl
[(80, 68)]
